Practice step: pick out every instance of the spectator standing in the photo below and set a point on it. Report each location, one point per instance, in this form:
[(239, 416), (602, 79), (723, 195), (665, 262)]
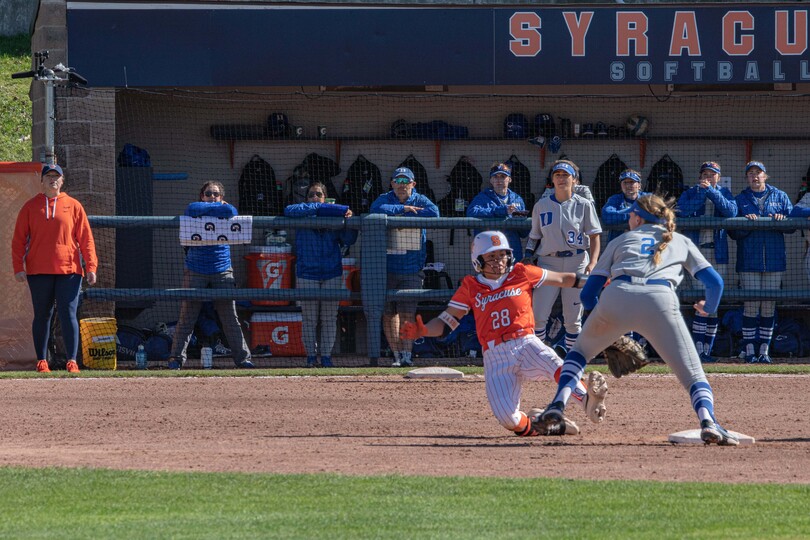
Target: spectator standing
[(565, 237), (802, 209), (707, 198), (617, 207), (318, 265), (403, 266), (761, 259), (209, 267), (499, 201), (51, 238)]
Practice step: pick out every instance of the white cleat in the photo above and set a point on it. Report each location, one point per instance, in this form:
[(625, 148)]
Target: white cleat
[(594, 402)]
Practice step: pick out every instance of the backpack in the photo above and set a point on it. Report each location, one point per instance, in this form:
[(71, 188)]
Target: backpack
[(522, 181), (133, 156), (789, 338), (606, 182), (420, 174), (665, 179), (515, 126), (259, 192), (314, 168), (362, 186), (465, 183), (127, 340)]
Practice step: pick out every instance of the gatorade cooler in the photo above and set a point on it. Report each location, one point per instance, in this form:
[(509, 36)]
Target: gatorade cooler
[(350, 271), (270, 267), (98, 342), (280, 332)]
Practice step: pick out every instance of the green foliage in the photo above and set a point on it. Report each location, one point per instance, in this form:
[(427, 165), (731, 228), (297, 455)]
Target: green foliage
[(77, 503), (15, 105)]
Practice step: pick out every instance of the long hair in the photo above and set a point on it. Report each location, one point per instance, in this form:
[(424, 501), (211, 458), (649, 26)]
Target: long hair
[(213, 184), (660, 208)]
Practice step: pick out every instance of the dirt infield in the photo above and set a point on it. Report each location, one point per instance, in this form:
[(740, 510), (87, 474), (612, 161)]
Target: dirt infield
[(390, 425)]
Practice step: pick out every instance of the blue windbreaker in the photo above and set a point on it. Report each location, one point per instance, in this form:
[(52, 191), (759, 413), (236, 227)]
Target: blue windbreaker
[(489, 204), (410, 262), (761, 250), (692, 203), (209, 259), (318, 252), (615, 211)]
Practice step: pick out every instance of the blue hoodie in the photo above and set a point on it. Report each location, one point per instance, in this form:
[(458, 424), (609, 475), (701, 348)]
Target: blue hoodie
[(318, 252), (209, 259), (411, 262), (692, 203), (616, 210), (761, 250), (489, 204)]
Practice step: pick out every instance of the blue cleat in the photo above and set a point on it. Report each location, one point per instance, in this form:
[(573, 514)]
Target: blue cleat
[(764, 359), (707, 359), (326, 361), (311, 361), (246, 364), (712, 433), (751, 359), (175, 363)]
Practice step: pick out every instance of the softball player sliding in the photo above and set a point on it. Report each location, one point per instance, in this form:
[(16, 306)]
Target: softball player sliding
[(500, 297), (565, 234), (644, 267)]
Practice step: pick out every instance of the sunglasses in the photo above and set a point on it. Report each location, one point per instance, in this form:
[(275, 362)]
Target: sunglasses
[(402, 180), (314, 194), (213, 194)]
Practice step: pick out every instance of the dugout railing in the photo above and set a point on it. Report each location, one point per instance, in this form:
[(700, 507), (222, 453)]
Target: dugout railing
[(373, 230)]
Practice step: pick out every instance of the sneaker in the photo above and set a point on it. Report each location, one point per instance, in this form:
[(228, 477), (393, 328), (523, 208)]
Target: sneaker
[(587, 130), (594, 402), (751, 359), (311, 361), (712, 433), (72, 366), (326, 361), (764, 359), (42, 366), (175, 363), (396, 363), (244, 364), (220, 350), (601, 129), (406, 362), (563, 427), (707, 359)]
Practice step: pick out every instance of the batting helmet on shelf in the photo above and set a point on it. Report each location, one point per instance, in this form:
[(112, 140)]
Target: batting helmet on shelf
[(486, 242), (544, 125), (637, 125), (278, 125), (515, 126)]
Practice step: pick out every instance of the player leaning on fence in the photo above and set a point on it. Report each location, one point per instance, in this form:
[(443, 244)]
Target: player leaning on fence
[(500, 298), (51, 237), (404, 267)]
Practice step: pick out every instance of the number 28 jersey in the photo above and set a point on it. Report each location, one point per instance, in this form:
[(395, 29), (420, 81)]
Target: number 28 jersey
[(504, 309)]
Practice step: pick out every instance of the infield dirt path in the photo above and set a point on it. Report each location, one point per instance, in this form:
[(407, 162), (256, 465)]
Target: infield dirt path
[(392, 425)]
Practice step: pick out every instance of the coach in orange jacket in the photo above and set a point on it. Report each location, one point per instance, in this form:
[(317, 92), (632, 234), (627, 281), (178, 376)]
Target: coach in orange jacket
[(51, 237)]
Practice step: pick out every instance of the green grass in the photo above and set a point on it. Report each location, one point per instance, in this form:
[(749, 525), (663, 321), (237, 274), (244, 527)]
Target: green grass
[(15, 105), (77, 503)]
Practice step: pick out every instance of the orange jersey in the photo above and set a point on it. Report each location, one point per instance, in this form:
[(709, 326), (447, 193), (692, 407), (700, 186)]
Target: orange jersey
[(504, 310)]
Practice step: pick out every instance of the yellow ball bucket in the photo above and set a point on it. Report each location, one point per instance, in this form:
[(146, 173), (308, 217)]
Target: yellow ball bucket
[(98, 342)]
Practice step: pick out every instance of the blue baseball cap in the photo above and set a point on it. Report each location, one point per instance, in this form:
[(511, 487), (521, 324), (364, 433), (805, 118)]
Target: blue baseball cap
[(501, 168), (48, 168), (403, 172), (629, 175), (564, 167), (755, 164), (710, 166)]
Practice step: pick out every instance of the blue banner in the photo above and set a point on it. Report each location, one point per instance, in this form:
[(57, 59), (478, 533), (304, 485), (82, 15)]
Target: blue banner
[(225, 45)]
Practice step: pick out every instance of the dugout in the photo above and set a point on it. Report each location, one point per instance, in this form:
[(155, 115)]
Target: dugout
[(156, 85)]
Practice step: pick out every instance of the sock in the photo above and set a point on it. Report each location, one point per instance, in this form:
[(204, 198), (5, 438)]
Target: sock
[(405, 355), (765, 334), (570, 376), (540, 333), (749, 334), (702, 400), (699, 332), (711, 334), (397, 356), (570, 339)]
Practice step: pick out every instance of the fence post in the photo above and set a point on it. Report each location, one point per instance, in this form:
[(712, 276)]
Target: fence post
[(373, 278)]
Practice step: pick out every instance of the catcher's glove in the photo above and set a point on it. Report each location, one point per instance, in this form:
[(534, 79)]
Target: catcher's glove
[(625, 356)]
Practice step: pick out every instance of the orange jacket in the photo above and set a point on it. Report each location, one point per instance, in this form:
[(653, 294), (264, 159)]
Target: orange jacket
[(51, 236)]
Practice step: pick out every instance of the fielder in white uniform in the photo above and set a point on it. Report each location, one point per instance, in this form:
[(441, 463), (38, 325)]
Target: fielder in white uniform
[(565, 238), (645, 266)]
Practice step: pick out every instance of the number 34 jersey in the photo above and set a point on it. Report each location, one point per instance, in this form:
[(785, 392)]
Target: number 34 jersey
[(500, 307)]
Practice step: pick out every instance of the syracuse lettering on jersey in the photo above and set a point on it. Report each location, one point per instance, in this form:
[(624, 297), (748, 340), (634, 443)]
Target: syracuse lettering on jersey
[(482, 301)]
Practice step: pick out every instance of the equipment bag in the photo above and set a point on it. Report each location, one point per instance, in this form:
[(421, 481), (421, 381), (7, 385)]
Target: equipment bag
[(465, 183), (521, 182), (362, 186), (420, 174), (259, 192), (606, 182), (665, 179)]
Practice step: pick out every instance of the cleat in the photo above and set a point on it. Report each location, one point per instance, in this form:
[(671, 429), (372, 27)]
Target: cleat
[(174, 363), (707, 359), (406, 363), (560, 349), (396, 363), (751, 359), (764, 359), (72, 366), (244, 364), (311, 361), (594, 402), (220, 350), (326, 361), (42, 367), (712, 433), (553, 414), (560, 427)]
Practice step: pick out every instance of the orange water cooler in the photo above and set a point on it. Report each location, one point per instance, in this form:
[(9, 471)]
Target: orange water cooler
[(351, 279), (270, 267)]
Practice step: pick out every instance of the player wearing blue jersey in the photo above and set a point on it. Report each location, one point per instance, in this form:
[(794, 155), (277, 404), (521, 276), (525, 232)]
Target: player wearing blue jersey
[(645, 265)]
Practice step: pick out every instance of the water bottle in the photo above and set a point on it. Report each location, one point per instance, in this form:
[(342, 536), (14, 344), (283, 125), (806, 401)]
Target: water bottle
[(140, 358), (207, 357)]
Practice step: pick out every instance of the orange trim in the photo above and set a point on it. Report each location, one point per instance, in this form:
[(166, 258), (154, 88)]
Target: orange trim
[(23, 167)]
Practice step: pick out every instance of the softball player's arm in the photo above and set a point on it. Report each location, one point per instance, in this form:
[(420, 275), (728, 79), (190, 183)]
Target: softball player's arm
[(433, 328), (535, 234), (568, 280), (714, 290), (593, 251)]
